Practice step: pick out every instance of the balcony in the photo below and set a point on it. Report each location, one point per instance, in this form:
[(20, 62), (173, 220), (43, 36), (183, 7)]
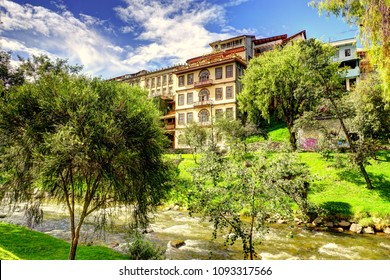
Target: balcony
[(170, 127), (204, 83), (205, 103)]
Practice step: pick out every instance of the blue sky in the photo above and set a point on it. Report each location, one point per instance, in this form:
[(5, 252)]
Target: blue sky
[(116, 37)]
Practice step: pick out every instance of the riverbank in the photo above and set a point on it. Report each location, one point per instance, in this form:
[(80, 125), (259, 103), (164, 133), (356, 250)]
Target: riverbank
[(282, 241)]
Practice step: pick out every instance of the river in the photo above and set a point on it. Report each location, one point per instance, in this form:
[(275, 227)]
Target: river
[(282, 242)]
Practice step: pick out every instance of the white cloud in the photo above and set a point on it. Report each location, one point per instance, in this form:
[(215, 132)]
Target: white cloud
[(172, 31), (36, 30), (233, 3), (126, 29), (167, 32)]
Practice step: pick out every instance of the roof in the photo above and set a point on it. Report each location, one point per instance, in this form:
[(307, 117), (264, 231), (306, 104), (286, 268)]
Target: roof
[(303, 32), (216, 55), (232, 38), (269, 39), (193, 67)]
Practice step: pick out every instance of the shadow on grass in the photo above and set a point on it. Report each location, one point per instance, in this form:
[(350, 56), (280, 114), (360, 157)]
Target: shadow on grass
[(380, 182), (341, 210)]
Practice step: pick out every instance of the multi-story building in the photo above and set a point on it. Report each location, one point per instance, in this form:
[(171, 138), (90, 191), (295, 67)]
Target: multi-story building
[(206, 87), (348, 56)]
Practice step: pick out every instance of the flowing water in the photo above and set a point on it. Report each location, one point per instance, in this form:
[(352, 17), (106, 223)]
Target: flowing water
[(282, 242)]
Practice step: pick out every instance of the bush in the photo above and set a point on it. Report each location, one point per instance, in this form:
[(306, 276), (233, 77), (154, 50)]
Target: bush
[(143, 249)]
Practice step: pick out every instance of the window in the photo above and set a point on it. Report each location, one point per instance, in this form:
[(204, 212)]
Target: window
[(204, 95), (170, 91), (218, 113), (180, 100), (181, 119), (190, 117), (158, 81), (153, 84), (170, 80), (337, 54), (181, 81), (229, 71), (147, 83), (204, 116), (229, 92), (190, 79), (164, 91), (204, 75), (190, 98), (218, 94), (218, 73), (164, 80), (347, 52), (229, 113)]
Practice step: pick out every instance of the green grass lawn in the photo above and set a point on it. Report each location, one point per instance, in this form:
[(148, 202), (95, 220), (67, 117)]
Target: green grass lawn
[(17, 242), (341, 191)]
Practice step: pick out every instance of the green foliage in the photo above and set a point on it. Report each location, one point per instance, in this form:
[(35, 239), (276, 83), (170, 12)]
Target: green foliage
[(371, 114), (8, 75), (284, 77), (22, 243), (143, 249), (238, 194), (84, 141)]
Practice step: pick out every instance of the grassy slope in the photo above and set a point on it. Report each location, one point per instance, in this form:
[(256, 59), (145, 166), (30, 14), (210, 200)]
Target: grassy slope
[(339, 190), (18, 242), (343, 191)]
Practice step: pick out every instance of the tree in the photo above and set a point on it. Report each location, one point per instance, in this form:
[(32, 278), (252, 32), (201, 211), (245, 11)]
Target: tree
[(277, 78), (239, 195), (372, 17), (91, 144), (8, 75), (325, 78), (195, 136), (371, 116)]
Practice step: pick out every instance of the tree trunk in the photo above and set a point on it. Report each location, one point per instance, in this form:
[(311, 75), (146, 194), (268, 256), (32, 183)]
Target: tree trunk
[(352, 146), (73, 247), (293, 139)]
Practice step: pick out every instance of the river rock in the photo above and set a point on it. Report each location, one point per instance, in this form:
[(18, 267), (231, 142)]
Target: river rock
[(281, 221), (356, 228), (344, 224), (369, 230), (2, 216), (387, 230), (329, 224), (317, 221), (340, 229), (177, 243)]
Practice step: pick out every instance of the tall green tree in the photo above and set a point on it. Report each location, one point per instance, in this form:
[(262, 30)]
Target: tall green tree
[(372, 17), (277, 78), (91, 144), (9, 75), (325, 79), (238, 195)]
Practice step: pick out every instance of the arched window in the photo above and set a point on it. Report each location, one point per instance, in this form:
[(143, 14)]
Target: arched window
[(204, 95), (204, 116), (204, 75)]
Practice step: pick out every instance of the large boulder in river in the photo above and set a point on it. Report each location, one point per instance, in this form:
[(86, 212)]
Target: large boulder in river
[(356, 228), (369, 230), (177, 243), (387, 230)]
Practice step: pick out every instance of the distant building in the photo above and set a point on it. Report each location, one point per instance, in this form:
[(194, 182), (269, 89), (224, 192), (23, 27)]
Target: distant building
[(348, 56)]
